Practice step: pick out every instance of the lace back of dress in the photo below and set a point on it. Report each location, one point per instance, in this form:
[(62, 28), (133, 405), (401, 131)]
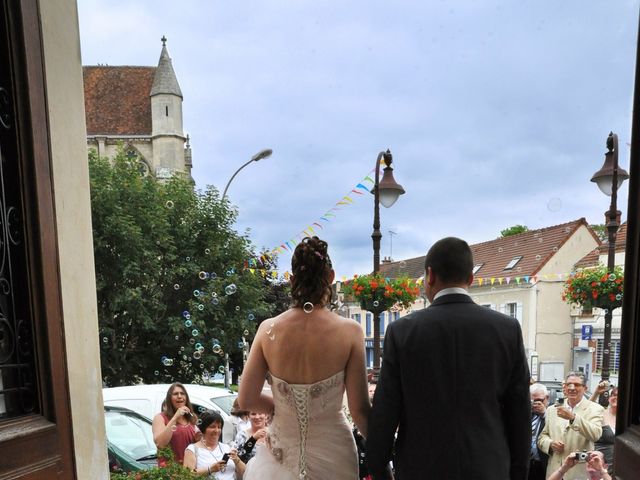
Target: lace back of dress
[(301, 401)]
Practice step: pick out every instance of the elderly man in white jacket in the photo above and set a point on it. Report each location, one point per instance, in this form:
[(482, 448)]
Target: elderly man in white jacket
[(571, 427)]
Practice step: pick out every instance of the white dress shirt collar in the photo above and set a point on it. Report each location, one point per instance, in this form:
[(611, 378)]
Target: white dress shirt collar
[(450, 291)]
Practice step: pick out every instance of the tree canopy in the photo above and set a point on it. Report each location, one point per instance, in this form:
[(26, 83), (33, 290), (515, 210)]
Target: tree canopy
[(514, 230), (177, 286)]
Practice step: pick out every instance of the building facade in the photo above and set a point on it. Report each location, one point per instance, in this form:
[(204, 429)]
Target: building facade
[(138, 109)]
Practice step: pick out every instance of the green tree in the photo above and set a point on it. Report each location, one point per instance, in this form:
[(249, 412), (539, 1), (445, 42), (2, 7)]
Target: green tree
[(601, 231), (513, 230), (173, 288)]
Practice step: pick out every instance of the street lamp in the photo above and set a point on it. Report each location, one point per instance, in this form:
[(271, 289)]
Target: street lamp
[(609, 178), (385, 191), (266, 153), (257, 157)]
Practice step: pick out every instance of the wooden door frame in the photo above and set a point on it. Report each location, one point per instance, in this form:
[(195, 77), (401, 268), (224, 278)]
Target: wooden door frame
[(38, 445)]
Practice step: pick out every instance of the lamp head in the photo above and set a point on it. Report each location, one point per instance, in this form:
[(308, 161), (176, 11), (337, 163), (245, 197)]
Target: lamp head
[(262, 154), (604, 177), (388, 189)]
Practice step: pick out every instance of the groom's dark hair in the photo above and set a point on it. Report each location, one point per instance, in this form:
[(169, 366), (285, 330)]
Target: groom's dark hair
[(450, 260)]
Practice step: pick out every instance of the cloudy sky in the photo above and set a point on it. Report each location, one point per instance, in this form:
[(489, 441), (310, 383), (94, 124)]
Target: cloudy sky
[(496, 112)]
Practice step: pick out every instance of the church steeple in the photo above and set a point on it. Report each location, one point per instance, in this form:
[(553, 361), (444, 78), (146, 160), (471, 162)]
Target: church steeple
[(165, 81)]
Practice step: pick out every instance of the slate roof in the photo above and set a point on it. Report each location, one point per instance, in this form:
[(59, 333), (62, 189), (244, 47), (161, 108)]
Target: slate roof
[(165, 80), (536, 247), (592, 258), (117, 101)]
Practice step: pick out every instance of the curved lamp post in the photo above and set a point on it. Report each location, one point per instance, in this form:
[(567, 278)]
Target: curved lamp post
[(266, 153), (257, 157), (385, 191), (609, 178)]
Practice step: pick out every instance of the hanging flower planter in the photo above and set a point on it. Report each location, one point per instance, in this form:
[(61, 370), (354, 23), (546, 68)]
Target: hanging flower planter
[(377, 294), (595, 287)]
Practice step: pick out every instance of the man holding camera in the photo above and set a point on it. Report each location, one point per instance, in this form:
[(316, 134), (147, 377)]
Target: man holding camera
[(595, 467), (539, 403), (571, 426)]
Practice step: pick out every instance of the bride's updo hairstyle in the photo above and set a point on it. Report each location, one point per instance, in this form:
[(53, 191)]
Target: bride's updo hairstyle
[(311, 268)]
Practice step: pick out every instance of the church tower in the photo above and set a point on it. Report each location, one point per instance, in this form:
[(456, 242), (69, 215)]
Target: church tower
[(167, 137)]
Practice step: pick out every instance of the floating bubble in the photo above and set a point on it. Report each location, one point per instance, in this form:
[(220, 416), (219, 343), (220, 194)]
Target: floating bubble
[(200, 307), (215, 300), (186, 314), (173, 427), (184, 357), (197, 355), (237, 308), (167, 362), (567, 229), (195, 332), (199, 422), (156, 372), (176, 286), (192, 341), (202, 366), (105, 340), (519, 269), (187, 259), (606, 310), (554, 204), (538, 257), (182, 348), (540, 240), (207, 251), (229, 272), (188, 323), (376, 303), (176, 337), (217, 348), (555, 249), (221, 369), (499, 249), (198, 346), (196, 293), (618, 297), (230, 289), (203, 275), (307, 307), (251, 316), (246, 333), (612, 277), (169, 204), (402, 264)]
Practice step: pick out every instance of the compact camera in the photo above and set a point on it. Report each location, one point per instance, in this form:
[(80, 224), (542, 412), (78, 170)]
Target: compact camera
[(225, 458), (559, 401), (582, 456)]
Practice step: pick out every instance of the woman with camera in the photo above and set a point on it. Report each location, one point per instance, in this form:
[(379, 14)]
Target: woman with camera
[(176, 424), (209, 457)]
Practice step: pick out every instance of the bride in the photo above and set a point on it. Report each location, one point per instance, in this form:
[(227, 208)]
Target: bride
[(309, 356)]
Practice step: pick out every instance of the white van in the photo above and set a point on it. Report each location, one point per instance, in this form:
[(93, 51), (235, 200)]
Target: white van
[(147, 401)]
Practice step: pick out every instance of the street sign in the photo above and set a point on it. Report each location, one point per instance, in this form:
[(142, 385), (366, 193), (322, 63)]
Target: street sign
[(587, 330)]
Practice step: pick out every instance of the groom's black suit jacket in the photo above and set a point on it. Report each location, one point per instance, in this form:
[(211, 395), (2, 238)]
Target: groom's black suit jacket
[(455, 383)]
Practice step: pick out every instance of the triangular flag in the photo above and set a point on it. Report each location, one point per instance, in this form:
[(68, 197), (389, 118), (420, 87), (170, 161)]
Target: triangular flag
[(480, 280), (500, 279), (493, 280), (508, 279)]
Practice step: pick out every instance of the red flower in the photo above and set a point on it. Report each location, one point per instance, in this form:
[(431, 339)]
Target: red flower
[(594, 294)]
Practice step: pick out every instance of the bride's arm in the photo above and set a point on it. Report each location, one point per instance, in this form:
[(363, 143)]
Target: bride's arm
[(356, 380), (250, 396)]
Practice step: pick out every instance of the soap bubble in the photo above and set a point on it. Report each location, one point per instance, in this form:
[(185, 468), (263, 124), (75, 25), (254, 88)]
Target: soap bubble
[(207, 251), (237, 308), (230, 289), (197, 355), (169, 204), (188, 323), (554, 204), (618, 297), (221, 369), (215, 300), (200, 307), (376, 303), (186, 314), (196, 293), (251, 316), (217, 349), (176, 286), (105, 340), (402, 264), (198, 346), (499, 249), (192, 341), (538, 257), (156, 372), (203, 275), (213, 275), (246, 333), (195, 332)]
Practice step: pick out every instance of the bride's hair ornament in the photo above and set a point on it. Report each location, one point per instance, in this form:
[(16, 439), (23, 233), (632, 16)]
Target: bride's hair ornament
[(311, 268)]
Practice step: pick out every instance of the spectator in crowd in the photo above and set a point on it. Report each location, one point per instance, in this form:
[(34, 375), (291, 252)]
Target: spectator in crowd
[(239, 419), (539, 403), (211, 458), (571, 426), (605, 443), (594, 466), (250, 438), (176, 424)]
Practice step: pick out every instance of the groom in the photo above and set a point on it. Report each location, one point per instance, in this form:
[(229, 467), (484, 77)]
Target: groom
[(454, 384)]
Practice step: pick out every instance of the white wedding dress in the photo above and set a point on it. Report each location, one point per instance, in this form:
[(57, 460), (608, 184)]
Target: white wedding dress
[(309, 437)]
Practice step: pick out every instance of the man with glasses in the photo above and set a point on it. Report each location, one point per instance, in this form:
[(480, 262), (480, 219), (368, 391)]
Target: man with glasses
[(571, 426), (539, 403)]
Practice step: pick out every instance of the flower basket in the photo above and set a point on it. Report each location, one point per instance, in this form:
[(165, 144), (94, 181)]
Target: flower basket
[(595, 287), (377, 294)]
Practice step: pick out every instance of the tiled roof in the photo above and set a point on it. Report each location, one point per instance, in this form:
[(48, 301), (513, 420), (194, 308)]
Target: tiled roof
[(592, 258), (536, 247), (116, 100)]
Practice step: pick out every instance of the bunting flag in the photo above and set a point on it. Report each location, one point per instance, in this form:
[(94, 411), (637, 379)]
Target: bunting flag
[(522, 279)]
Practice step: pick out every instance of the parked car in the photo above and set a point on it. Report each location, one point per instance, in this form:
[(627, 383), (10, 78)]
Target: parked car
[(130, 445), (147, 401)]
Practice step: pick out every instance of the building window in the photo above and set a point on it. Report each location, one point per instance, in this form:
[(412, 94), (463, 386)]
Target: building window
[(514, 261), (166, 111), (477, 267), (357, 317), (614, 356), (368, 326), (511, 309), (381, 320)]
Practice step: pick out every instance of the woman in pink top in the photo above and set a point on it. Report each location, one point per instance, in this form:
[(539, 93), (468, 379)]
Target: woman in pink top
[(176, 424)]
